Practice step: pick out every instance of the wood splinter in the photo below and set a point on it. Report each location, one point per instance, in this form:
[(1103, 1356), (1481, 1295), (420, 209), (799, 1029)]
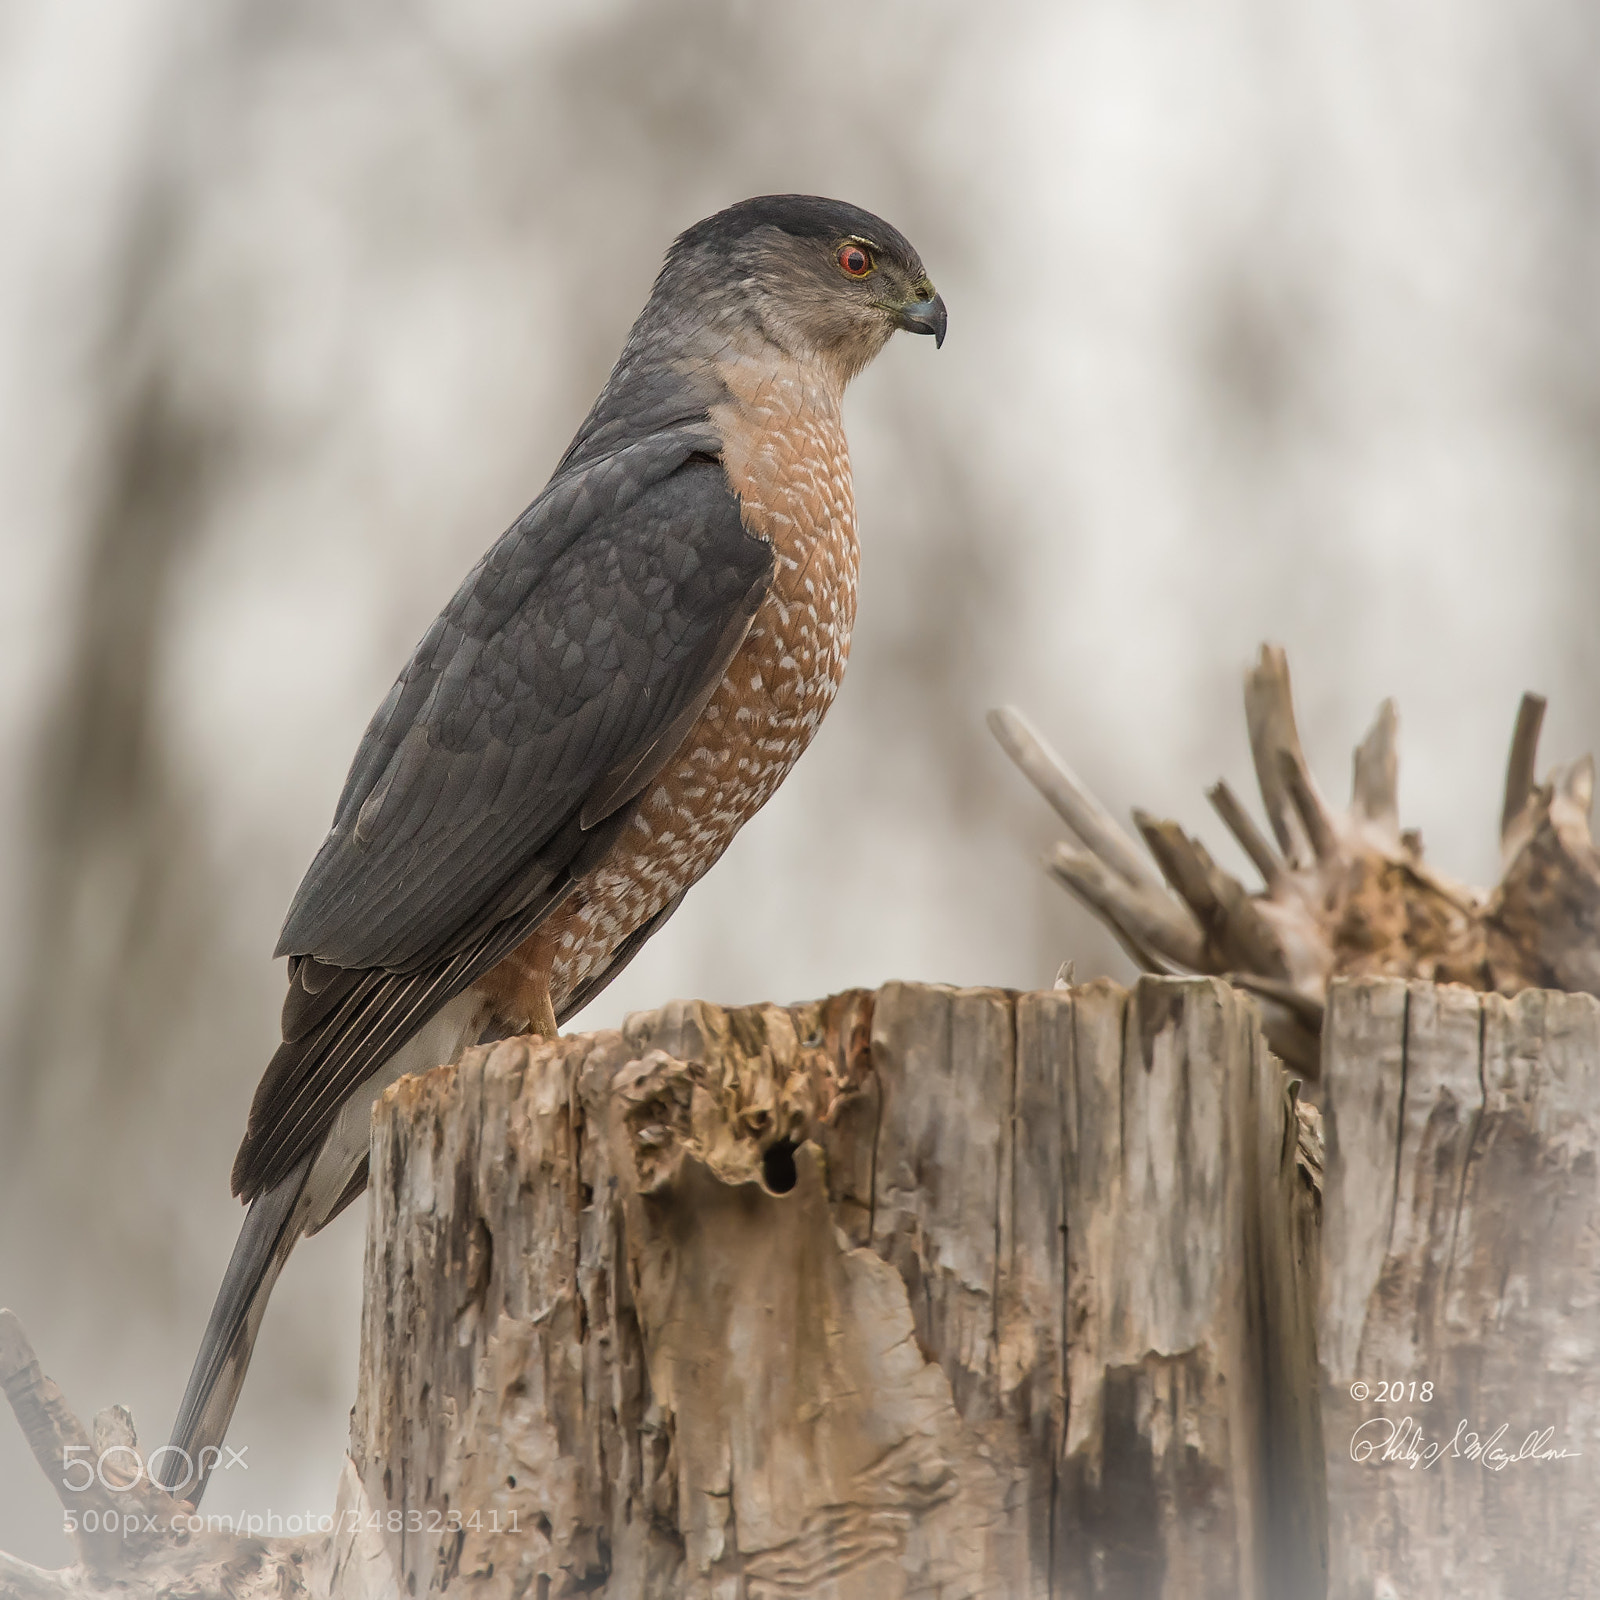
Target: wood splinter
[(135, 1541), (1344, 893)]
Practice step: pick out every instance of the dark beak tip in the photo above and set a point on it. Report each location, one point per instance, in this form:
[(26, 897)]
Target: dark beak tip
[(927, 316)]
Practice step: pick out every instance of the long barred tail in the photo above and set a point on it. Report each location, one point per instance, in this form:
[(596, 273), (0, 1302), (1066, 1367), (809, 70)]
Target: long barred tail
[(271, 1227), (282, 1211)]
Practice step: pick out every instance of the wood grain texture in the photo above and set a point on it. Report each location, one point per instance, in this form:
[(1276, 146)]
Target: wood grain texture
[(1192, 1458), (929, 1293), (1462, 1251)]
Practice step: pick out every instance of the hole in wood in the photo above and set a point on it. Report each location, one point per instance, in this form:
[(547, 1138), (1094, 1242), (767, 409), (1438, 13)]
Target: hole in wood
[(777, 1166)]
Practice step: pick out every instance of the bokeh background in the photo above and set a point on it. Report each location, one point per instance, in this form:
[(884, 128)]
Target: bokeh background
[(1266, 322)]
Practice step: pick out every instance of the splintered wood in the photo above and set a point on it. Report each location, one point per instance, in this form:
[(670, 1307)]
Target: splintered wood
[(1460, 1326), (134, 1541), (1344, 893), (929, 1293)]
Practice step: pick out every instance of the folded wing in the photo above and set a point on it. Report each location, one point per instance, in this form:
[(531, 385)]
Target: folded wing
[(559, 679)]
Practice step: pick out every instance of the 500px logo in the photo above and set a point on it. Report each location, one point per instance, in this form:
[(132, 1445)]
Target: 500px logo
[(78, 1471)]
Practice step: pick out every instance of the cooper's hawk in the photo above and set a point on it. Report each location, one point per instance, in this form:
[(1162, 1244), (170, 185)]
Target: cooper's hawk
[(616, 688)]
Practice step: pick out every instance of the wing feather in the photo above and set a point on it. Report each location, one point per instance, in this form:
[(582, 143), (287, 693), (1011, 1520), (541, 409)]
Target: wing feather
[(501, 765), (561, 663)]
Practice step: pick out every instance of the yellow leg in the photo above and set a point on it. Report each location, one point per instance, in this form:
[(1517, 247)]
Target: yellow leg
[(544, 1017)]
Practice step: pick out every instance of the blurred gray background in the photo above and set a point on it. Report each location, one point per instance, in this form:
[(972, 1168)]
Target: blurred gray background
[(1266, 322)]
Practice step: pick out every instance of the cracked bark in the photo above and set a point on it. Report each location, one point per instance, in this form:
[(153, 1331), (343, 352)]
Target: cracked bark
[(674, 1366), (1462, 1250)]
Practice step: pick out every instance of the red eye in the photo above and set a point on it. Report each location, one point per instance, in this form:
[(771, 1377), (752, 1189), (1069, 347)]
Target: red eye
[(855, 260)]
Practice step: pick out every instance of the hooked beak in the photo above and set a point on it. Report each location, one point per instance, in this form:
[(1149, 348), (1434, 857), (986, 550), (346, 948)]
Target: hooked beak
[(925, 316)]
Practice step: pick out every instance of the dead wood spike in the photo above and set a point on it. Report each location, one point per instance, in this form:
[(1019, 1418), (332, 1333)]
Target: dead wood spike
[(1343, 893), (135, 1541)]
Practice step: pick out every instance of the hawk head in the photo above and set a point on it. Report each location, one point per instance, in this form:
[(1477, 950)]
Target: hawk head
[(819, 278)]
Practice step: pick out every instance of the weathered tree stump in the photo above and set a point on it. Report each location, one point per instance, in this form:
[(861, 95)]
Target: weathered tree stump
[(1460, 1324), (933, 1292), (949, 1292)]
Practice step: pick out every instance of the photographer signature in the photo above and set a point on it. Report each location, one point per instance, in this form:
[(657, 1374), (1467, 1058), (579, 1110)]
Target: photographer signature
[(1386, 1439)]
